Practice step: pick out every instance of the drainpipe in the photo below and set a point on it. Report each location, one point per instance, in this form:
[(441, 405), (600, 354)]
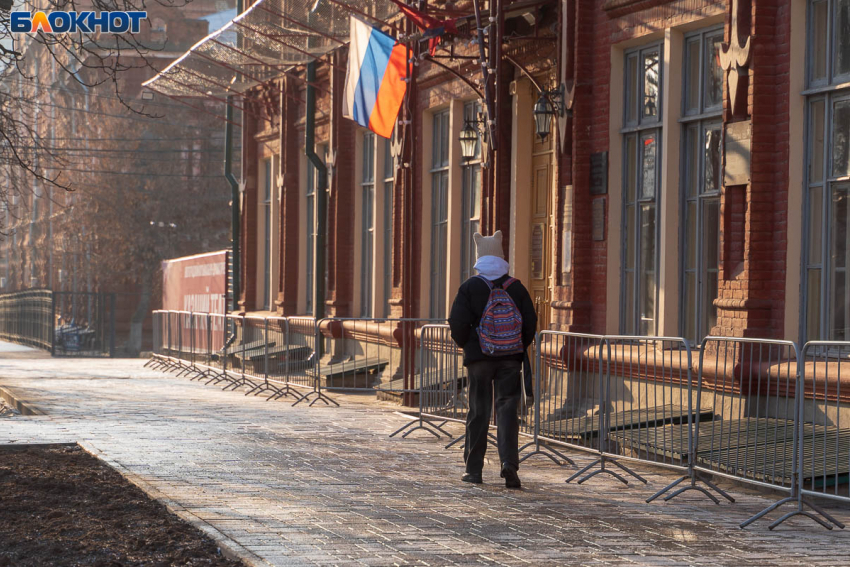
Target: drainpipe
[(321, 193), (234, 208), (234, 193)]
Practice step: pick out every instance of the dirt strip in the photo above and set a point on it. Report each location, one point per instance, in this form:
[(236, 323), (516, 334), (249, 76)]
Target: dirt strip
[(60, 506)]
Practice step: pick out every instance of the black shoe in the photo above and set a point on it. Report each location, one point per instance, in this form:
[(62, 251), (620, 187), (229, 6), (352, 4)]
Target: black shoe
[(511, 478), (472, 477)]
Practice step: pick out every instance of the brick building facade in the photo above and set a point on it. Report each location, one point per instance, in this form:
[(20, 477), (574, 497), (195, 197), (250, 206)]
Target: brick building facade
[(697, 185)]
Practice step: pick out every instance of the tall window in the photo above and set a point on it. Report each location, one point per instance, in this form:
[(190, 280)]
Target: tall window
[(439, 213), (641, 182), (312, 180), (389, 178), (702, 103), (367, 231), (471, 198), (826, 286), (266, 211)]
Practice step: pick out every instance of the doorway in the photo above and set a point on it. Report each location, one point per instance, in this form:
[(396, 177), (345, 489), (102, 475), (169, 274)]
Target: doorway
[(541, 257)]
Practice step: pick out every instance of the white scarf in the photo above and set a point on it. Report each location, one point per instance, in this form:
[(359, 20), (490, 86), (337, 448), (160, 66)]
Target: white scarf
[(491, 267)]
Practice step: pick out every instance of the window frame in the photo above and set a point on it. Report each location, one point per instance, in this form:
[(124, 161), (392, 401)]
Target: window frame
[(828, 91), (266, 204), (637, 129), (311, 234), (367, 223), (388, 182), (471, 174), (439, 172), (703, 119)]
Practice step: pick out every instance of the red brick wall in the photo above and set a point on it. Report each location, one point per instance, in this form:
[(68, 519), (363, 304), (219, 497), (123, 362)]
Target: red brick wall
[(249, 211), (290, 203), (341, 204), (754, 233), (753, 225)]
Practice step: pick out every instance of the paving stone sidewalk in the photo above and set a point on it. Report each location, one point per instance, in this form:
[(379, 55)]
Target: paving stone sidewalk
[(326, 486)]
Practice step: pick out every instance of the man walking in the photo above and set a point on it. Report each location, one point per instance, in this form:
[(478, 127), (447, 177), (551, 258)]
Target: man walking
[(494, 321)]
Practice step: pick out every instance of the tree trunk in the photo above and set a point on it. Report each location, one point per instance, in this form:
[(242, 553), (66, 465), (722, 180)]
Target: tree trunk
[(134, 344)]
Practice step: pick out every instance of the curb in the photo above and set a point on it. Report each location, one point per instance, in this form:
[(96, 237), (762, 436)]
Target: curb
[(26, 408), (229, 548)]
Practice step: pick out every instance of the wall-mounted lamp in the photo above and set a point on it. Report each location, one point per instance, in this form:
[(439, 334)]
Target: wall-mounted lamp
[(550, 104), (468, 140), (472, 132)]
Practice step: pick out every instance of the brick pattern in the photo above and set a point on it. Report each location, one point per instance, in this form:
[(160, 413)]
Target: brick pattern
[(248, 298), (341, 204), (753, 227), (751, 301), (574, 304), (290, 203)]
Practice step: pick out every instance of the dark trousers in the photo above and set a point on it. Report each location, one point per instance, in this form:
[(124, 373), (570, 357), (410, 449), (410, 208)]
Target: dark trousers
[(485, 378)]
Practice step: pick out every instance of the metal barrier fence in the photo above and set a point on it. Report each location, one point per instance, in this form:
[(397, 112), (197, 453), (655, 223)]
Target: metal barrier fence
[(64, 323), (85, 324), (568, 389), (441, 383), (283, 356), (759, 411), (753, 436), (647, 384), (26, 317), (824, 451), (369, 354)]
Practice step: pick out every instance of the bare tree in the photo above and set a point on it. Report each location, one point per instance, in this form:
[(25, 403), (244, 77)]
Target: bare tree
[(88, 60)]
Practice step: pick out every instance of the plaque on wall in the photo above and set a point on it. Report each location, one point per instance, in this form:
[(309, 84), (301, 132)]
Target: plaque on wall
[(599, 173), (566, 252), (538, 232), (598, 219), (736, 148)]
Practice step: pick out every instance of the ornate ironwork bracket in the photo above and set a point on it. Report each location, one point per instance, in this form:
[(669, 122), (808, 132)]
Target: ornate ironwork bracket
[(567, 71), (735, 60)]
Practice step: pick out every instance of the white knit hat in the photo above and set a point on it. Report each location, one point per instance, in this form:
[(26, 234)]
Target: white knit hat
[(488, 245)]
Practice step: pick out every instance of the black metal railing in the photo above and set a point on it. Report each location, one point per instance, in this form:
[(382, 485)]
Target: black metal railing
[(26, 317), (64, 323)]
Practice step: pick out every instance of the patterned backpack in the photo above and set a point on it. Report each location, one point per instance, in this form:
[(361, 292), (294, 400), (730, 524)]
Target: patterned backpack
[(500, 329)]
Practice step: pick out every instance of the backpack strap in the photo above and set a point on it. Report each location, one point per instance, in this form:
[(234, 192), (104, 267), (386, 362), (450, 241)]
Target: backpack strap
[(508, 283), (488, 282)]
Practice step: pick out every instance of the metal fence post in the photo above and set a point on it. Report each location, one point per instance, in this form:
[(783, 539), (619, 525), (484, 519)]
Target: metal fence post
[(112, 325), (52, 329), (209, 339), (169, 347), (192, 338), (266, 353), (432, 428), (242, 364), (288, 342), (180, 338)]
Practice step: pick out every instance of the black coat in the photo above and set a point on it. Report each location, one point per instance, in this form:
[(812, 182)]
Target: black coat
[(468, 308)]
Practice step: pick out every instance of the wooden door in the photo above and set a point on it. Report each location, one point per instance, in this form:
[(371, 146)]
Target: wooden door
[(542, 219)]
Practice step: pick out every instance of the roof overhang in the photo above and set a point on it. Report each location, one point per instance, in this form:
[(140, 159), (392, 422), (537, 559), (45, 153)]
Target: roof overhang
[(262, 44)]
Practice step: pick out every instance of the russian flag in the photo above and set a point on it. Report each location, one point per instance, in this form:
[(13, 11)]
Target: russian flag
[(374, 85)]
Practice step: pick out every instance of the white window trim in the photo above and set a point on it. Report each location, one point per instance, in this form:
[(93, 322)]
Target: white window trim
[(267, 251), (701, 118)]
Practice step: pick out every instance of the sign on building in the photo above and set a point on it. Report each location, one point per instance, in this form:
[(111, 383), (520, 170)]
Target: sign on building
[(195, 283)]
